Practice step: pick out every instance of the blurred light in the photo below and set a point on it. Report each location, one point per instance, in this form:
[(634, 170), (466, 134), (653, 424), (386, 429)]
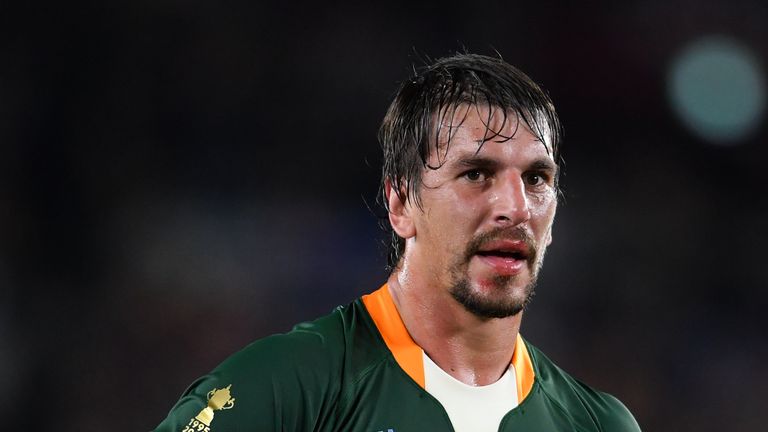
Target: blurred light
[(717, 89)]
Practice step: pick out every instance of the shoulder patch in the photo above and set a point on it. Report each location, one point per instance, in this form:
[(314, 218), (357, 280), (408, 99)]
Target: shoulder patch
[(218, 399)]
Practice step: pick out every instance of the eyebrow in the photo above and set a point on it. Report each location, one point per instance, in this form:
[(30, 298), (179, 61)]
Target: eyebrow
[(541, 164), (477, 162)]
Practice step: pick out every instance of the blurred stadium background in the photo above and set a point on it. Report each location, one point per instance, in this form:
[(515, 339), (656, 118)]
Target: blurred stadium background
[(180, 178)]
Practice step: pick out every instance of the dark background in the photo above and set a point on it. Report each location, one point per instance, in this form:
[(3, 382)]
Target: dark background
[(179, 178)]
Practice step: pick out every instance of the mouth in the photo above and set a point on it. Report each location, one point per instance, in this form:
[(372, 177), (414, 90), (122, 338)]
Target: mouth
[(505, 257), (515, 255), (516, 250)]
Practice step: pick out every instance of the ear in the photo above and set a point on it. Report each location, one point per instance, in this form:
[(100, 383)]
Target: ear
[(399, 213)]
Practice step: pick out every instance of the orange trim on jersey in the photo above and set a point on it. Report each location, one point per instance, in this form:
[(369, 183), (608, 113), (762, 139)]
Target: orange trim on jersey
[(523, 369), (409, 356)]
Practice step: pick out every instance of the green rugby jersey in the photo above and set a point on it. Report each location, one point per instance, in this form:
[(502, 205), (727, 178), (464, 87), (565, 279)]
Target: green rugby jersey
[(358, 370)]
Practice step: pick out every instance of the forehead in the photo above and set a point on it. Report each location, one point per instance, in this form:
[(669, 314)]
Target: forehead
[(473, 126)]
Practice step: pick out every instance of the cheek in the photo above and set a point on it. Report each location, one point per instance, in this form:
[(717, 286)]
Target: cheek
[(463, 219), (543, 210), (448, 220)]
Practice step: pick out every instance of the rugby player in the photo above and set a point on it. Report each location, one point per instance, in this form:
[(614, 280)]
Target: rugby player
[(470, 183)]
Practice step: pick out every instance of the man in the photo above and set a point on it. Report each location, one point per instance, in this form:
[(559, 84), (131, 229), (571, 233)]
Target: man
[(471, 152)]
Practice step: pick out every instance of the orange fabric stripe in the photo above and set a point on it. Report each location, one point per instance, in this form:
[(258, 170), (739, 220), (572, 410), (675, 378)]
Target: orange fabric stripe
[(409, 356), (523, 369)]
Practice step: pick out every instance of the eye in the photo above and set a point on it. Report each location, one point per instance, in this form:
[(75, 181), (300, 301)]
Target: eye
[(474, 175), (535, 179)]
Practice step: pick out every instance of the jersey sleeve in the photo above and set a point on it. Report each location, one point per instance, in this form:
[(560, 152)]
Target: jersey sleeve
[(286, 382), (613, 416)]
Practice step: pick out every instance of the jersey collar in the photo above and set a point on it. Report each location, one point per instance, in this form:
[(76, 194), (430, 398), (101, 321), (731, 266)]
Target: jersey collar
[(409, 356)]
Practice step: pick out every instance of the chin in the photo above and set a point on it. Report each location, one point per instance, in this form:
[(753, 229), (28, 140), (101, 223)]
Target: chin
[(499, 297)]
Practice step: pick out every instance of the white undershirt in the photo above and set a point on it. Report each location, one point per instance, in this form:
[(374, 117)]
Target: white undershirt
[(470, 408)]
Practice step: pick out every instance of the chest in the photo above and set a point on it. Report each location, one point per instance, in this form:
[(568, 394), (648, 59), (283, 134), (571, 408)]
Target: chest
[(386, 400)]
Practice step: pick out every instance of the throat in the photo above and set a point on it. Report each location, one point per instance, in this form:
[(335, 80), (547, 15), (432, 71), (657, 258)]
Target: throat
[(475, 368)]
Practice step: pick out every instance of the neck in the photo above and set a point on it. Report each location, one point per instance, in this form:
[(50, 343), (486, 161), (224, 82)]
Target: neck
[(474, 350)]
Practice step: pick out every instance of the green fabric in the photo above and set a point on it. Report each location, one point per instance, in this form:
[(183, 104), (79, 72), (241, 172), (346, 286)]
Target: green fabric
[(336, 374)]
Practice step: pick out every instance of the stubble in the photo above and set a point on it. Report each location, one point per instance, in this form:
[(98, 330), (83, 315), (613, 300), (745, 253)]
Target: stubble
[(502, 302)]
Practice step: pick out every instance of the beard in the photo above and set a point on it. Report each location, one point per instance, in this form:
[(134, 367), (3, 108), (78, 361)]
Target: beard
[(503, 302), (486, 307)]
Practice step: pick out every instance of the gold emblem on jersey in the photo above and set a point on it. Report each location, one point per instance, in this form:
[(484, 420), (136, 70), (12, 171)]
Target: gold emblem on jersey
[(218, 399)]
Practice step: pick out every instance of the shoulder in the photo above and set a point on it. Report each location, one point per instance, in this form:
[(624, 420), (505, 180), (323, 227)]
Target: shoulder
[(301, 347), (312, 352), (291, 380), (583, 403)]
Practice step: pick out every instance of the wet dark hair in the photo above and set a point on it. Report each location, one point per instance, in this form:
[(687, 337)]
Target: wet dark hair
[(431, 97)]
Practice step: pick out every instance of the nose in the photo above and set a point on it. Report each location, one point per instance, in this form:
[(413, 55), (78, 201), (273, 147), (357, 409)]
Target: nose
[(510, 202)]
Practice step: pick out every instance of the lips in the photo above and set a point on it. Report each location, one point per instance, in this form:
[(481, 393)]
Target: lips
[(517, 249), (505, 257)]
